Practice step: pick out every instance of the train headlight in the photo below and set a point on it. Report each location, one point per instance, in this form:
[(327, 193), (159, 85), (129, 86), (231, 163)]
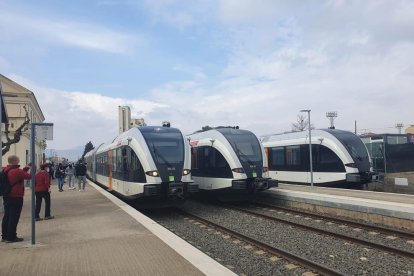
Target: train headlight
[(153, 173), (238, 170), (186, 172)]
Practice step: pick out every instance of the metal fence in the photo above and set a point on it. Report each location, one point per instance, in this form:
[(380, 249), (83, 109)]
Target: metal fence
[(391, 158)]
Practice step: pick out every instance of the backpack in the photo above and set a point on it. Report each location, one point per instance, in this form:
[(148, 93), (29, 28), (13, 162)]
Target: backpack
[(5, 186)]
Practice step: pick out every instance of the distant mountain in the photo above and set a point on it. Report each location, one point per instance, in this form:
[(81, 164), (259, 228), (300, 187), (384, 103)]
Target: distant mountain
[(71, 154)]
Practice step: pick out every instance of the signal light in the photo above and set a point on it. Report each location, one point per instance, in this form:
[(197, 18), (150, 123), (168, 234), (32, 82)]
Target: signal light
[(186, 172), (152, 173), (238, 170)]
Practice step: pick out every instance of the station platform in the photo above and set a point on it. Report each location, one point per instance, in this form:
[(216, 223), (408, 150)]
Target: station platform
[(95, 233), (389, 209)]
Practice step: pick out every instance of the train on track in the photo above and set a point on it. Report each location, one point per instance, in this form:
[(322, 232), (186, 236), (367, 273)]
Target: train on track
[(144, 162), (229, 160), (340, 158)]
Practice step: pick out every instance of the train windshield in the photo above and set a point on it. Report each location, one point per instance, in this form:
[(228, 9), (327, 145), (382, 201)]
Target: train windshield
[(245, 144), (165, 147), (355, 147)]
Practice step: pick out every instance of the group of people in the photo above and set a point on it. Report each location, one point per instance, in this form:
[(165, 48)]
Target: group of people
[(71, 171), (13, 201)]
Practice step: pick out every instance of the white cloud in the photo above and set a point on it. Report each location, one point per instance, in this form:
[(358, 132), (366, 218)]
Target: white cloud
[(179, 14), (21, 25), (342, 56), (80, 117)]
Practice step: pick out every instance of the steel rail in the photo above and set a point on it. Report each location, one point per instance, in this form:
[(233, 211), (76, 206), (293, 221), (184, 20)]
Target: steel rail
[(393, 250), (277, 251), (385, 230)]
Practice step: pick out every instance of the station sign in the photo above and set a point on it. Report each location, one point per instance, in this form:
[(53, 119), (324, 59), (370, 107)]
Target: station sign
[(44, 132)]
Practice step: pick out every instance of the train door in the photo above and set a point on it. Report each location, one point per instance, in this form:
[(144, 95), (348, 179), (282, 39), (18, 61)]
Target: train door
[(197, 166), (110, 154)]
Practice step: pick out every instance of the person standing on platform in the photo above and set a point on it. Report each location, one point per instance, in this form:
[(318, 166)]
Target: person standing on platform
[(81, 174), (42, 189), (13, 202), (60, 175), (51, 168), (70, 172)]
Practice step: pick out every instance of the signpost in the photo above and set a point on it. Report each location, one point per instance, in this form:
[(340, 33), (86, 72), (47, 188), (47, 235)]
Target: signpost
[(44, 132)]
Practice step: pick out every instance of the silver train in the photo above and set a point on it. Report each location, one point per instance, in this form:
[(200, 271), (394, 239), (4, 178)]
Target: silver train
[(340, 158), (144, 162), (228, 160)]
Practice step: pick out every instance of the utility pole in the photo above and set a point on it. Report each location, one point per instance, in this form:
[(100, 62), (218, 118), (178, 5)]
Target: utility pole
[(310, 145), (355, 127)]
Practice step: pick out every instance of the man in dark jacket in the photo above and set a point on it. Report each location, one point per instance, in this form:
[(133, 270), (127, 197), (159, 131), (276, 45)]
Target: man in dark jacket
[(42, 189), (80, 171), (13, 202)]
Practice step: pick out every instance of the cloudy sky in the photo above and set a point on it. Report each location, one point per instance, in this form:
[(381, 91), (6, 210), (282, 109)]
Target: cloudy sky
[(252, 63)]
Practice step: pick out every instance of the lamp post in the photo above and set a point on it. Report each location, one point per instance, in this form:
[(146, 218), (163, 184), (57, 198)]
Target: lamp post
[(310, 145), (48, 135)]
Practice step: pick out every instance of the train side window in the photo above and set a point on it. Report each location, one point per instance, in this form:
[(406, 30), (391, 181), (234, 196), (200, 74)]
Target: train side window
[(198, 165), (217, 165), (136, 172), (293, 156), (277, 157), (195, 164), (329, 161)]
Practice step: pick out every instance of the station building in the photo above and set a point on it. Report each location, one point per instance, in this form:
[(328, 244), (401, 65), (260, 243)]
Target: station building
[(410, 130), (19, 103), (125, 122)]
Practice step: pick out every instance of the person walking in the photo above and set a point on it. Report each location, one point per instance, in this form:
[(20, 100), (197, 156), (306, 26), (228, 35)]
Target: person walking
[(60, 175), (51, 169), (13, 202), (81, 174), (42, 189), (70, 172)]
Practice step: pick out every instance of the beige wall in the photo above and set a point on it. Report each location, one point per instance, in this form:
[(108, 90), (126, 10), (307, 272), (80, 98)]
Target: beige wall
[(410, 130), (16, 97)]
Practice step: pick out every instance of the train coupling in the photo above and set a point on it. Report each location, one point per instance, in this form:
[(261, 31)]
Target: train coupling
[(175, 189), (264, 183)]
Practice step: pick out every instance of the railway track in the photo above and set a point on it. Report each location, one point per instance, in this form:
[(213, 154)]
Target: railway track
[(370, 244), (396, 232), (304, 262)]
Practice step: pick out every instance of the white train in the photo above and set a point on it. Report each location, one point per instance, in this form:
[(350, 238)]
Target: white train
[(340, 158), (144, 162), (228, 159)]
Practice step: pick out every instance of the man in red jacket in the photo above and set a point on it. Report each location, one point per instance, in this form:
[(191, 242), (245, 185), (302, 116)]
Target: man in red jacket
[(42, 189), (13, 202)]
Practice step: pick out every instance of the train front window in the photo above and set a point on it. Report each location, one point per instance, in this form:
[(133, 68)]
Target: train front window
[(245, 145), (353, 144), (165, 147)]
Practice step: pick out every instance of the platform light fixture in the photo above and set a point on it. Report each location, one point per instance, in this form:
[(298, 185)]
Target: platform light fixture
[(399, 126), (331, 115), (310, 144)]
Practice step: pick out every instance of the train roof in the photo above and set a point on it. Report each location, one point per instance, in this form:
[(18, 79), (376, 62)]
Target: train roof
[(303, 134), (223, 130), (146, 129)]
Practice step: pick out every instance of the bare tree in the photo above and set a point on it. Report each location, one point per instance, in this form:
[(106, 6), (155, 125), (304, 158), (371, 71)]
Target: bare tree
[(301, 124), (17, 134), (88, 147)]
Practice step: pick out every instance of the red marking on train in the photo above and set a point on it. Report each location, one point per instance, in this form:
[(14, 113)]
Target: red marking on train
[(193, 143)]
